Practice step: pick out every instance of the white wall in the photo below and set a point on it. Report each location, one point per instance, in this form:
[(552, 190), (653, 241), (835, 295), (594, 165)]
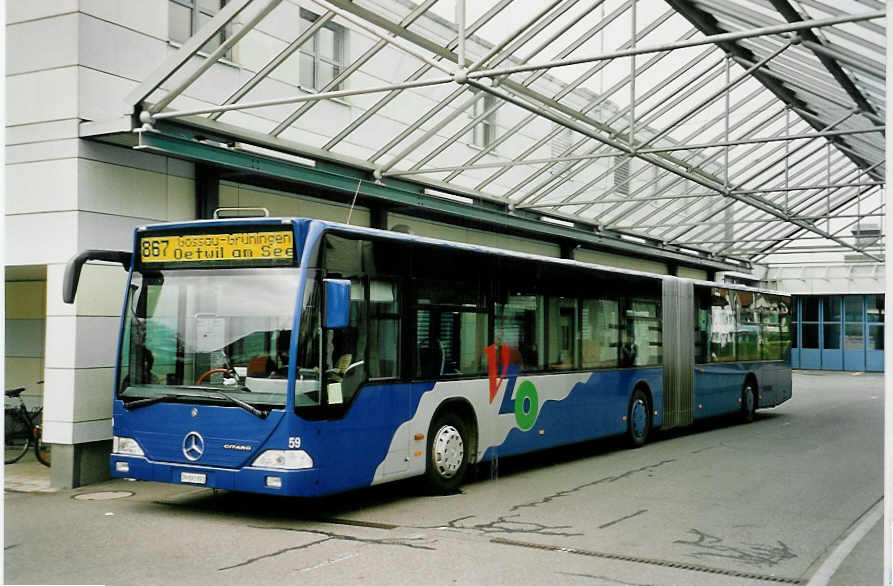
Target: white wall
[(68, 62)]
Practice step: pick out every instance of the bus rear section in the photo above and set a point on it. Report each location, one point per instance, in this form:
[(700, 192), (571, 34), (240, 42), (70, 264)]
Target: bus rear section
[(728, 350)]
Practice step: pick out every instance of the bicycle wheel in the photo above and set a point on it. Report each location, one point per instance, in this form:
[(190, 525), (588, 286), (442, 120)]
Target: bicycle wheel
[(42, 450), (15, 445)]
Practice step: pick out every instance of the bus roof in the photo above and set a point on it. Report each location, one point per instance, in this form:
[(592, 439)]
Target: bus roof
[(392, 235)]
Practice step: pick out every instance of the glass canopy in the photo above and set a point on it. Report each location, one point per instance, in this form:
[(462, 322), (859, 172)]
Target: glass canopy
[(741, 130)]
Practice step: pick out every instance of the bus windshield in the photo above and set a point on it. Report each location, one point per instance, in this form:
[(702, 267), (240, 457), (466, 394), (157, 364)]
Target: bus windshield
[(217, 335)]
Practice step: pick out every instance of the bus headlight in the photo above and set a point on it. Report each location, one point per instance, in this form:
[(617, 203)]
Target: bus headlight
[(127, 446), (284, 459)]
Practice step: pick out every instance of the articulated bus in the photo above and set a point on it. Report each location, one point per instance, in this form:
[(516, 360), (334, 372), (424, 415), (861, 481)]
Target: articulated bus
[(303, 357)]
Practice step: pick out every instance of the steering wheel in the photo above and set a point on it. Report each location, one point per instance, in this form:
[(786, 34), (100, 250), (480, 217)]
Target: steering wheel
[(210, 372)]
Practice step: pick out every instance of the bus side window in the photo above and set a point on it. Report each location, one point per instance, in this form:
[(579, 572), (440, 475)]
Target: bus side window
[(562, 336), (702, 325), (641, 343), (518, 324), (747, 333), (722, 325), (384, 329), (600, 331), (344, 349)]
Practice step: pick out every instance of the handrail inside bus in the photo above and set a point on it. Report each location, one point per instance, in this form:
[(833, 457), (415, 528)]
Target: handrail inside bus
[(73, 268)]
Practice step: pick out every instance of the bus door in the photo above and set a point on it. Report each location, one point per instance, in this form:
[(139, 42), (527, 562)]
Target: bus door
[(678, 352)]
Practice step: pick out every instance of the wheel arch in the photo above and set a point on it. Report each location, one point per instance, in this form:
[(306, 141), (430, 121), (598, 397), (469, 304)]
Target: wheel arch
[(751, 377), (463, 409), (643, 385)]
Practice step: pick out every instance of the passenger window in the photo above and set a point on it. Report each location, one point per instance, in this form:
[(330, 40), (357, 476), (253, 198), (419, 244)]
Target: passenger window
[(345, 348), (722, 325), (784, 323), (702, 325), (384, 330), (748, 333), (563, 328), (518, 323), (772, 344), (600, 333), (451, 331), (641, 342)]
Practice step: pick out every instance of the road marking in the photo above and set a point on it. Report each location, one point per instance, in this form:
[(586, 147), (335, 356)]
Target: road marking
[(834, 560)]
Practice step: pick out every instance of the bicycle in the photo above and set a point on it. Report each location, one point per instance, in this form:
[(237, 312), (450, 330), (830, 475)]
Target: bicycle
[(23, 430)]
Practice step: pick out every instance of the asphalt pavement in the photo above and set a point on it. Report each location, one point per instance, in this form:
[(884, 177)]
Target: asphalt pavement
[(776, 501)]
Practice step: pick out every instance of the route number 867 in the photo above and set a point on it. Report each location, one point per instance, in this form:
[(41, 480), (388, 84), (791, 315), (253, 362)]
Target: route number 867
[(155, 248)]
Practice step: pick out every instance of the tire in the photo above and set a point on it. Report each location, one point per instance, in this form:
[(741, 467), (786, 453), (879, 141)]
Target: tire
[(43, 451), (638, 419), (748, 402), (447, 459), (15, 446)]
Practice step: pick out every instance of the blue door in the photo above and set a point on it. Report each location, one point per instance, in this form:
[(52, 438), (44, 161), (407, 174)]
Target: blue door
[(810, 348), (831, 342), (874, 315), (854, 334)]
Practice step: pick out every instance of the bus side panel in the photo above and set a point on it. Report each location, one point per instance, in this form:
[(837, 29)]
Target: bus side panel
[(527, 413), (372, 435), (595, 407), (775, 382), (718, 386)]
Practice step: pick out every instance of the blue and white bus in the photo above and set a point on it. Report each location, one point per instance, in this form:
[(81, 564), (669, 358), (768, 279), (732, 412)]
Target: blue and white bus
[(303, 357)]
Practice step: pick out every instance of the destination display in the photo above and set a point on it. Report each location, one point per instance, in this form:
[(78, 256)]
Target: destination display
[(242, 247)]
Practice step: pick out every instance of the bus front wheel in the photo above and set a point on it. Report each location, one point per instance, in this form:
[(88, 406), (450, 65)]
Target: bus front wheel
[(447, 453), (638, 420)]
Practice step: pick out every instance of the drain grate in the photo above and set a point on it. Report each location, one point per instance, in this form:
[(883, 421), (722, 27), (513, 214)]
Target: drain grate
[(102, 496), (652, 562)]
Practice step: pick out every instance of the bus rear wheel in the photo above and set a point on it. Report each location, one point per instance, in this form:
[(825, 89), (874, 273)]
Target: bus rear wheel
[(447, 458), (638, 420), (748, 403)]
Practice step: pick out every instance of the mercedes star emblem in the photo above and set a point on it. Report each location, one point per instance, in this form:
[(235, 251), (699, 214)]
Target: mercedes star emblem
[(193, 446)]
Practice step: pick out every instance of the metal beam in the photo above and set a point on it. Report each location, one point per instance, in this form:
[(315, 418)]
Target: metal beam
[(709, 26), (787, 11), (301, 98), (712, 39), (219, 52), (177, 59), (275, 62), (349, 181)]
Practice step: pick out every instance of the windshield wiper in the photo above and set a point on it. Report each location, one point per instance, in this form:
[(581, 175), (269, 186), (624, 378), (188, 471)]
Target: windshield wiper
[(137, 403), (246, 406)]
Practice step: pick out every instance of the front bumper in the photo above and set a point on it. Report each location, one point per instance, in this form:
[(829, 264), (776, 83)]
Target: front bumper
[(292, 482)]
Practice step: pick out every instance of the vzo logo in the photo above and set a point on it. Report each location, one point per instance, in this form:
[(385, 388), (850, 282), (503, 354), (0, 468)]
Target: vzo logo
[(526, 402)]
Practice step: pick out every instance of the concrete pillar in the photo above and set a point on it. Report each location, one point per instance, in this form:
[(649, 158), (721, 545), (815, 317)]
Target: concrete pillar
[(80, 369)]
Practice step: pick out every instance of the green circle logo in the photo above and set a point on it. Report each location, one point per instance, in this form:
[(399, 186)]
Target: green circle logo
[(527, 405)]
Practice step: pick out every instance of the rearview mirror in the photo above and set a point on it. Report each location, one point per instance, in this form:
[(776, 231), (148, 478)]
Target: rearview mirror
[(337, 303), (73, 268)]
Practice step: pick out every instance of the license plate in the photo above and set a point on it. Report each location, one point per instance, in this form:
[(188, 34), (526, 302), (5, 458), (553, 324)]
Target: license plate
[(193, 477)]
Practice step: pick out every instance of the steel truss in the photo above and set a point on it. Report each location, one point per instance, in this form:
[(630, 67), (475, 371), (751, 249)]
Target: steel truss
[(766, 129)]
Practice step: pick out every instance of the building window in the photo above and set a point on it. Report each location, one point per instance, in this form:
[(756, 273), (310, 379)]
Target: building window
[(322, 56), (484, 132), (186, 17)]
